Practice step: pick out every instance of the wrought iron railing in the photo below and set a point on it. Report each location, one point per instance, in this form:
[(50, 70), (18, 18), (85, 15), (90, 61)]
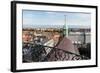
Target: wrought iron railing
[(39, 54), (57, 54)]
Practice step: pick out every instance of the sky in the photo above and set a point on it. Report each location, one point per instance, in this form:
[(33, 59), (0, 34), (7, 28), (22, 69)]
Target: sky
[(36, 18)]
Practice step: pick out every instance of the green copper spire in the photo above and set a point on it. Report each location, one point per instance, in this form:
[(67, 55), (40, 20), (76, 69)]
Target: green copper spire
[(65, 27)]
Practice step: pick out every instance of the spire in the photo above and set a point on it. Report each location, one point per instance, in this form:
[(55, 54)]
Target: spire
[(65, 27)]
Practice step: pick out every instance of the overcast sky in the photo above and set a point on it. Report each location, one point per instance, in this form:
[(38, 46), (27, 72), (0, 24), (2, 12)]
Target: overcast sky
[(55, 18)]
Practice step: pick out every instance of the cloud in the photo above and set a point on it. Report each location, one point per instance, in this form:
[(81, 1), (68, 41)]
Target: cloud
[(55, 18)]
